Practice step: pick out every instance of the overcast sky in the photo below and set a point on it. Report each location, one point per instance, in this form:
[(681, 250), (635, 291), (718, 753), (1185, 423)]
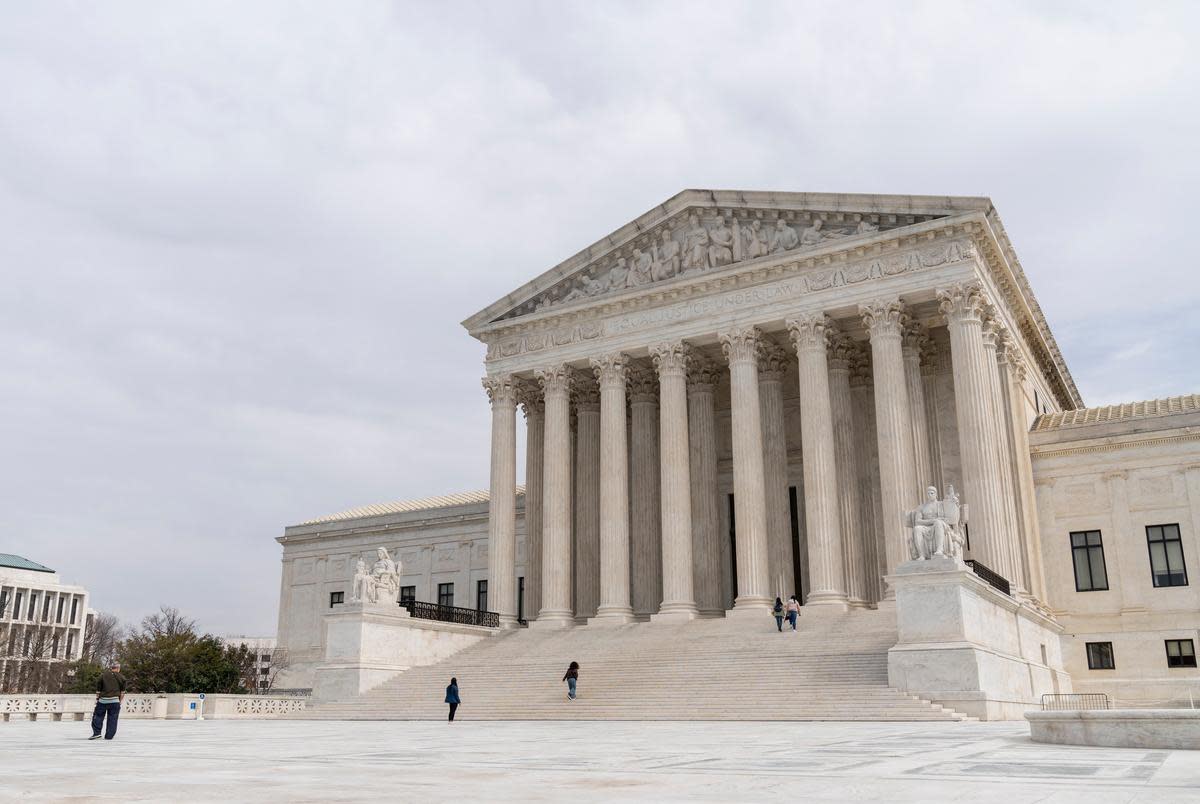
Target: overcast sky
[(238, 238)]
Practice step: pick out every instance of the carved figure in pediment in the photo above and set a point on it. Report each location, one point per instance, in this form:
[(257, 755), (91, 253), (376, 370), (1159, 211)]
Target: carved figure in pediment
[(721, 251), (865, 227), (754, 241), (784, 237), (641, 274), (813, 234), (574, 294), (666, 258), (594, 287), (696, 243), (618, 275)]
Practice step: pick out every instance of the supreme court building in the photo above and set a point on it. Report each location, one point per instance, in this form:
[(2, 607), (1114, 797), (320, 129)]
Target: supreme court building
[(741, 395)]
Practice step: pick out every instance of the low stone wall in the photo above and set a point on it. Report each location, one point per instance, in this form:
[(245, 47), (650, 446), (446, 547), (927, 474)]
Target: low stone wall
[(1118, 728), (142, 706)]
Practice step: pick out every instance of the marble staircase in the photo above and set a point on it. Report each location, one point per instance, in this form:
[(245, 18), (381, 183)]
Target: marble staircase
[(833, 668)]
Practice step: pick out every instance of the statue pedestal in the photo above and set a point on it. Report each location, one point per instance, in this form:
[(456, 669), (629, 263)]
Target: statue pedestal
[(968, 646), (366, 645)]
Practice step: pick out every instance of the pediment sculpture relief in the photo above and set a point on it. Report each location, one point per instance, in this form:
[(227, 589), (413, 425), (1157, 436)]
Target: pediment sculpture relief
[(693, 247)]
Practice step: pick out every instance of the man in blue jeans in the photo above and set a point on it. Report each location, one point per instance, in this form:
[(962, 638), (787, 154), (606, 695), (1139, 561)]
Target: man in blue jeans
[(110, 691)]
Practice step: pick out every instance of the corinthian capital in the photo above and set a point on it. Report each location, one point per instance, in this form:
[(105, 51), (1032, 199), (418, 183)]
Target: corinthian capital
[(810, 331), (962, 302), (884, 318), (703, 375), (842, 352), (772, 361), (610, 370), (555, 380), (914, 337), (671, 358), (643, 384), (501, 389), (741, 345), (585, 392), (529, 396)]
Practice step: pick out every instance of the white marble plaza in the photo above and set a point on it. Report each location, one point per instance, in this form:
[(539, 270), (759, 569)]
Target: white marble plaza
[(579, 761)]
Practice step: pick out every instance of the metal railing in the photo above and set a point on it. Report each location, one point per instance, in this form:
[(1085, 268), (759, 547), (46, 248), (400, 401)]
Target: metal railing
[(996, 580), (1074, 701), (451, 614)]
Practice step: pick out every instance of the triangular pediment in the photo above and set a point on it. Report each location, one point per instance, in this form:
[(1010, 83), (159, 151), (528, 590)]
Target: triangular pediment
[(702, 231)]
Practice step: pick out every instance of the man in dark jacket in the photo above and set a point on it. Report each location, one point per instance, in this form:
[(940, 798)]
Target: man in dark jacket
[(110, 691)]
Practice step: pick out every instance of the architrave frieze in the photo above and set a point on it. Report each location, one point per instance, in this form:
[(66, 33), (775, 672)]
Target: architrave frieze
[(761, 294)]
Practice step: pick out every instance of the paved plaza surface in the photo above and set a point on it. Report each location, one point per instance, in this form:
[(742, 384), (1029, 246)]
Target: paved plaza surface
[(577, 761)]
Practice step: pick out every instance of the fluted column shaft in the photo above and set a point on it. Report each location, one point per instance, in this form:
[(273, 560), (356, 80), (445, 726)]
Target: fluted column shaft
[(587, 497), (866, 447), (854, 566), (741, 350), (1012, 375), (706, 518), (963, 306), (893, 421), (556, 608), (929, 369), (502, 501), (645, 512), (535, 461), (821, 505), (679, 601), (615, 604), (1014, 569), (772, 364), (915, 388)]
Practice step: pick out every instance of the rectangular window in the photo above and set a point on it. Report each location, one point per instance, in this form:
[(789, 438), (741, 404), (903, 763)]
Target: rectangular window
[(336, 598), (264, 671), (408, 594), (1087, 555), (1100, 656), (17, 606), (3, 603), (1166, 555), (46, 609), (481, 596), (70, 645), (61, 603), (521, 598), (74, 609), (28, 635), (265, 658), (1181, 653), (54, 647), (445, 594), (32, 606)]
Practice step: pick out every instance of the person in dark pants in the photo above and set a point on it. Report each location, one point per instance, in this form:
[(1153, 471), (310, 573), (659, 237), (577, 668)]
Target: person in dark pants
[(793, 611), (452, 697), (110, 691), (777, 610), (572, 679)]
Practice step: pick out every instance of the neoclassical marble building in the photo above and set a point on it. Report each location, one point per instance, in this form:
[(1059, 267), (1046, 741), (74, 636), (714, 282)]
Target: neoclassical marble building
[(740, 395)]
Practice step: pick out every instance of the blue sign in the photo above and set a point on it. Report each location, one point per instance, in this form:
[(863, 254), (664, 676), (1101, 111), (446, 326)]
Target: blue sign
[(192, 705)]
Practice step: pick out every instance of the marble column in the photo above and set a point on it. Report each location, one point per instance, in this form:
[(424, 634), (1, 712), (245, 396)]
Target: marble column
[(885, 321), (615, 604), (930, 358), (502, 500), (678, 603), (1013, 567), (1012, 379), (741, 347), (703, 376), (911, 342), (854, 565), (645, 510), (866, 450), (772, 364), (587, 496), (821, 505), (535, 461), (556, 611), (963, 304)]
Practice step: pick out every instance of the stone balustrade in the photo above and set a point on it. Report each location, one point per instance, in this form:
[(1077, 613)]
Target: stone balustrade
[(142, 706)]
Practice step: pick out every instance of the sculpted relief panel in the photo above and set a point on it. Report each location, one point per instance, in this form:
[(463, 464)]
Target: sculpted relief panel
[(697, 245), (803, 282)]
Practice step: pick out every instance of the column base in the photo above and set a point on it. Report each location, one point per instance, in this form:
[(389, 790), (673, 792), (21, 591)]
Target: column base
[(856, 603), (675, 613), (509, 621), (613, 615), (827, 602), (749, 608), (550, 620)]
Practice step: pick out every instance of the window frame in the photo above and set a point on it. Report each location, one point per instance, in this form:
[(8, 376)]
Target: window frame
[(337, 599), (481, 594), (1191, 646), (1166, 555), (1087, 548), (1112, 656), (446, 590), (411, 597)]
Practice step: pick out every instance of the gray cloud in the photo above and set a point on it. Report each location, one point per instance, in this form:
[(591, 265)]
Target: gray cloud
[(240, 237)]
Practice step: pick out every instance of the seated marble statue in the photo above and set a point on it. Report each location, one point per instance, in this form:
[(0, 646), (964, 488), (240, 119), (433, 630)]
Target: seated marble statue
[(385, 578), (936, 526), (360, 591)]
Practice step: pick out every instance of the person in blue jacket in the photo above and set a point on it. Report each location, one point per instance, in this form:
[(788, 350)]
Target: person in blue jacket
[(452, 697)]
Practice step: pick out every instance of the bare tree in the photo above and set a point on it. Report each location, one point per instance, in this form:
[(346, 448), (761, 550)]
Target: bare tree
[(104, 633), (169, 622)]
